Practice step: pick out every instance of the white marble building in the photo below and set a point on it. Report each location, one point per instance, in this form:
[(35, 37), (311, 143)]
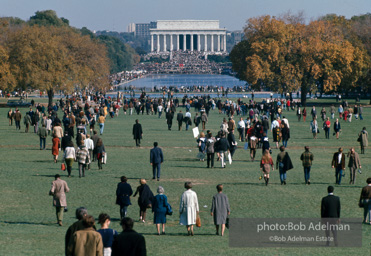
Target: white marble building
[(188, 35)]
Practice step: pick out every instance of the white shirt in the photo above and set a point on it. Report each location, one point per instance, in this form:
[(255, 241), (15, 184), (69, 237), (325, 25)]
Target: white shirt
[(286, 122), (188, 114), (339, 158), (69, 152), (48, 124), (89, 144), (160, 108), (275, 124), (241, 124)]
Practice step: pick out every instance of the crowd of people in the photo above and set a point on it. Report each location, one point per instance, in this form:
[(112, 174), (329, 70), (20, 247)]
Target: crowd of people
[(78, 122)]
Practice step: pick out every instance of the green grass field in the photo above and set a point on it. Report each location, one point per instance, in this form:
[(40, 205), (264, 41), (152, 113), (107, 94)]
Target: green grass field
[(27, 218)]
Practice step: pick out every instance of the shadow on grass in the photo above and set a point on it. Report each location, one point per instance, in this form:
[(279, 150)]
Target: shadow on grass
[(42, 161), (45, 175), (184, 159), (176, 234), (28, 223), (185, 166)]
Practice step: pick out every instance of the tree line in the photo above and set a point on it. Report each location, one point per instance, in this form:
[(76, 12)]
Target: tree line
[(283, 54), (46, 53)]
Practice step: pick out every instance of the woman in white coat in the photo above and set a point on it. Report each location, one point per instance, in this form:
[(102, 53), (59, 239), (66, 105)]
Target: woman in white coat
[(188, 208)]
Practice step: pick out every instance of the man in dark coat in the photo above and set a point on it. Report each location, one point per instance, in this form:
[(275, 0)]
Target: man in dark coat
[(137, 132), (338, 162), (123, 193), (330, 213), (179, 118), (156, 159), (129, 242), (80, 213), (169, 119)]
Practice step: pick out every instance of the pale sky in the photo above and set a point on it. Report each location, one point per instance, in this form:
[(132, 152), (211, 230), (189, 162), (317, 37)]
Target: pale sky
[(115, 15)]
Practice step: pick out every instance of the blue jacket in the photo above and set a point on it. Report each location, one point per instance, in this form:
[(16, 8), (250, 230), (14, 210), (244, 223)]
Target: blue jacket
[(123, 193), (156, 156), (159, 204)]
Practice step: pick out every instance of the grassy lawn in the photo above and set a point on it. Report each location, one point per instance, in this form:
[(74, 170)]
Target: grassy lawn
[(27, 218)]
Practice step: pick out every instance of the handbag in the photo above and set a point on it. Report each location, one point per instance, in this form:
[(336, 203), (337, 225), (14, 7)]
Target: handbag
[(63, 166), (169, 210), (227, 223), (361, 204), (198, 221)]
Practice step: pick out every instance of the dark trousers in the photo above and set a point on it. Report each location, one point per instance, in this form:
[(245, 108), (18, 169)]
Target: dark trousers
[(18, 125), (327, 133), (331, 224), (158, 168), (137, 142), (210, 159), (82, 168), (42, 143), (338, 174), (306, 174), (123, 211)]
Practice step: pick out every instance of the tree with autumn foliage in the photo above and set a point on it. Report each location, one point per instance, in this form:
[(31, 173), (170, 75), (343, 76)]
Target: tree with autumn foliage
[(56, 58), (286, 56)]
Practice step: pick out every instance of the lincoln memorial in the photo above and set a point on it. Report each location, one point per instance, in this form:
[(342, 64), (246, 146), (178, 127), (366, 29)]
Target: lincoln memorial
[(188, 35)]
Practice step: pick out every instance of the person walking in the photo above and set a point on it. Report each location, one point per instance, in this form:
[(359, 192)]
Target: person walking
[(307, 159), (82, 158), (204, 120), (10, 117), (43, 133), (266, 163), (299, 113), (100, 152), (314, 128), (188, 208), (129, 242), (26, 121), (201, 143), (179, 118), (55, 148), (137, 132), (123, 193), (338, 162), (107, 234), (354, 164), (159, 208), (86, 241), (365, 202), (210, 151), (156, 158), (17, 119), (283, 164), (285, 131), (363, 139), (330, 213), (144, 200), (69, 156), (232, 142), (337, 128), (222, 146), (58, 191), (101, 121), (304, 114), (89, 144), (220, 209), (327, 127), (169, 119)]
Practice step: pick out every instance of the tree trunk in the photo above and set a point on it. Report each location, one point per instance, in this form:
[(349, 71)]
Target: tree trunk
[(50, 96), (304, 96)]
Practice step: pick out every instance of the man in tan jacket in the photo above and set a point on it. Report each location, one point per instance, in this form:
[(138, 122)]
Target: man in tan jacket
[(58, 191), (87, 241)]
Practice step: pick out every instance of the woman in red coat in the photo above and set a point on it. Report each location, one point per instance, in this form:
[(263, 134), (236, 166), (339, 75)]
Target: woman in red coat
[(55, 148)]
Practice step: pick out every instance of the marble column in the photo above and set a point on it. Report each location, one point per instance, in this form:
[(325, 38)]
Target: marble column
[(218, 46), (158, 42), (165, 46), (152, 43), (191, 42), (199, 43), (225, 43), (171, 43), (184, 42), (212, 43), (205, 50), (177, 42)]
